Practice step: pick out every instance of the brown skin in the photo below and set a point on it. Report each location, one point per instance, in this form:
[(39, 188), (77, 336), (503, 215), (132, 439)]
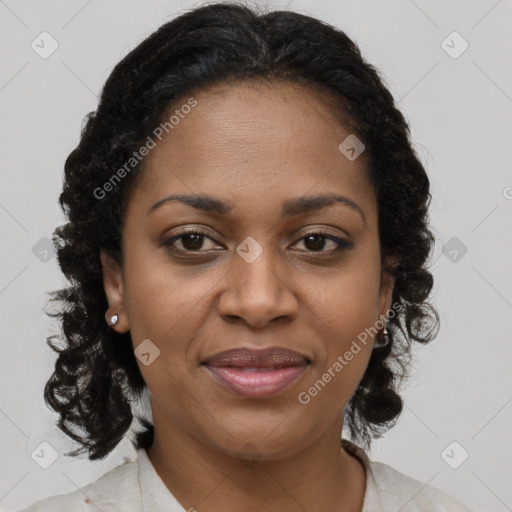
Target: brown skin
[(255, 145)]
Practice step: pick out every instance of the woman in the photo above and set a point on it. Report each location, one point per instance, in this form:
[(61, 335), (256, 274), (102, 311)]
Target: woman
[(247, 241)]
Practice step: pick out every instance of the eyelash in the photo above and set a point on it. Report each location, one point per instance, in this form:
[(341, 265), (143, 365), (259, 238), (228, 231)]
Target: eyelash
[(341, 243)]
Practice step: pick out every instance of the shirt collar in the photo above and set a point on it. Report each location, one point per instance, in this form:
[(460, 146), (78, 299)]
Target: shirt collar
[(372, 500), (156, 497)]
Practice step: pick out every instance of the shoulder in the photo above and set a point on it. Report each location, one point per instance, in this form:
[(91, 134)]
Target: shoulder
[(399, 491), (115, 491)]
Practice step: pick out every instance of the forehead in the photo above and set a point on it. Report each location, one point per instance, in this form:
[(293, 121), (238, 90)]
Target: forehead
[(252, 141)]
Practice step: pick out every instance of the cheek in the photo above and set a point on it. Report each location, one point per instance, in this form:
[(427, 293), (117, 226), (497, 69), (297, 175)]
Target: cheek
[(347, 301), (161, 297), (344, 309), (167, 305)]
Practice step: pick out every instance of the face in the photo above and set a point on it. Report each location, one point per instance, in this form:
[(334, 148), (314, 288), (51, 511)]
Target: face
[(257, 273)]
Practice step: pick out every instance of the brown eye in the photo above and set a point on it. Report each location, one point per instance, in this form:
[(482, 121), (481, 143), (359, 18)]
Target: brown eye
[(317, 241), (190, 241)]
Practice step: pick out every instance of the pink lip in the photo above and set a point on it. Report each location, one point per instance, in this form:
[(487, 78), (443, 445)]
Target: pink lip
[(257, 382), (249, 358)]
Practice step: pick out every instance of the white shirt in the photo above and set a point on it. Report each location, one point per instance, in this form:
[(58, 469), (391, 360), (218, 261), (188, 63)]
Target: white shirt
[(135, 486)]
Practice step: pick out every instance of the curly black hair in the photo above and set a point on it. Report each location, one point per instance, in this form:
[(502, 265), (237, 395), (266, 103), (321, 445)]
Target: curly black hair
[(96, 378)]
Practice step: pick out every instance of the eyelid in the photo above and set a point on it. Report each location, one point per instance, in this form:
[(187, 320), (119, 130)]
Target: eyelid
[(313, 230), (341, 243), (189, 231)]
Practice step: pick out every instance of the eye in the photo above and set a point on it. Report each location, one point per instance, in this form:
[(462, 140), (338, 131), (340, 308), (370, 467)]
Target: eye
[(315, 241), (191, 240)]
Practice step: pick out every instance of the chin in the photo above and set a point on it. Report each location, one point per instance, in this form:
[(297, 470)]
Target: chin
[(262, 442)]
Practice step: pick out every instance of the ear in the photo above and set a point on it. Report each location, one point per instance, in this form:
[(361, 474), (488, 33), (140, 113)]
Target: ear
[(113, 286), (386, 288)]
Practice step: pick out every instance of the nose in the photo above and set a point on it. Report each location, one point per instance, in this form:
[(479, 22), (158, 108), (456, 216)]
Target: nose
[(258, 293)]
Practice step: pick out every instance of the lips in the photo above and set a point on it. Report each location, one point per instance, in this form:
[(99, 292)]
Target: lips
[(256, 373), (264, 358)]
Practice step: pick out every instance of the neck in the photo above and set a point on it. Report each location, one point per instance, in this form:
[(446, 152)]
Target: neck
[(321, 476)]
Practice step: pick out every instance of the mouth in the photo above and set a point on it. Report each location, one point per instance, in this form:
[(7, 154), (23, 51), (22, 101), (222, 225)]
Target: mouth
[(257, 373)]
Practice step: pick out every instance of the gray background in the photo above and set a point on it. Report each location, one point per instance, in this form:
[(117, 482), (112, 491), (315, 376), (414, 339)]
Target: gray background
[(460, 110)]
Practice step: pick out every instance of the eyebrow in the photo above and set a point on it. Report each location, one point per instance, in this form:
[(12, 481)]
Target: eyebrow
[(290, 207)]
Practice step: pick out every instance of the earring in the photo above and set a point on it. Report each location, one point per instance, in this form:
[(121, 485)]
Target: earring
[(382, 341), (113, 320)]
